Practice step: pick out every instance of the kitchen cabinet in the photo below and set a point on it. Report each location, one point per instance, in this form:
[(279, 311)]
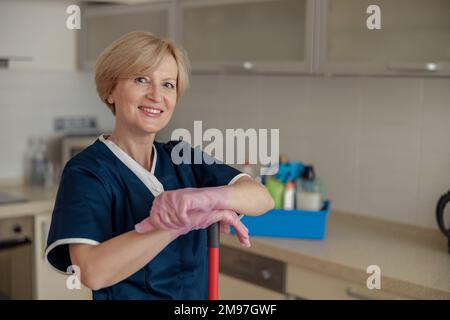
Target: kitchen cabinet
[(50, 284), (414, 38), (16, 237), (102, 24), (248, 35), (303, 283), (33, 36), (285, 36), (231, 288), (248, 276)]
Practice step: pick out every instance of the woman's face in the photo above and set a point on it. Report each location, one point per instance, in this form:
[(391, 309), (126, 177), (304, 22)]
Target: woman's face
[(145, 104)]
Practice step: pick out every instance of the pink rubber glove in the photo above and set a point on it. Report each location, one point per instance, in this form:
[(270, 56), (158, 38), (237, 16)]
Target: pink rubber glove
[(170, 210), (202, 220), (193, 208)]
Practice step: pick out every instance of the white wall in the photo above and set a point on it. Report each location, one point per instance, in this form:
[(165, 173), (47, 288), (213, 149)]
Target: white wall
[(29, 102), (381, 144)]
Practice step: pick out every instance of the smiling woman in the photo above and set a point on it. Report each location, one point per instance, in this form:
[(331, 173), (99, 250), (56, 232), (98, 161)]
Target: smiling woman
[(134, 55), (113, 219), (145, 103), (141, 78)]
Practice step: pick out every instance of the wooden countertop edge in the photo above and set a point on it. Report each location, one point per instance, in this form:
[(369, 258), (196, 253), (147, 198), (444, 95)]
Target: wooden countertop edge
[(26, 208), (357, 276)]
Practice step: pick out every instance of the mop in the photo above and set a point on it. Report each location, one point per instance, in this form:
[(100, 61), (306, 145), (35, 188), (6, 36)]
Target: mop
[(213, 261)]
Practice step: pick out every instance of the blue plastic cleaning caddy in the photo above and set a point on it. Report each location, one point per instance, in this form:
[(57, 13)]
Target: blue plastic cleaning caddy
[(302, 224)]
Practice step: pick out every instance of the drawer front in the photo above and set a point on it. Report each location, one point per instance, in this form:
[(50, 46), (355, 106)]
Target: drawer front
[(256, 269), (231, 288), (307, 284)]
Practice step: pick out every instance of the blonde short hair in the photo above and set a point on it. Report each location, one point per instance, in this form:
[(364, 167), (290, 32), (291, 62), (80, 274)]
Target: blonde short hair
[(134, 54)]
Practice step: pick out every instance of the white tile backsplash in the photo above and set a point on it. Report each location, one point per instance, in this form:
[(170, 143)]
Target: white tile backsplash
[(385, 169), (284, 95), (381, 144), (395, 101), (434, 176), (390, 206), (337, 165), (426, 213), (389, 136), (436, 117)]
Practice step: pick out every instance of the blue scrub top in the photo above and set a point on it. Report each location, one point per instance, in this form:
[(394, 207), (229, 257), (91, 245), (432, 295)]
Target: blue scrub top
[(99, 198)]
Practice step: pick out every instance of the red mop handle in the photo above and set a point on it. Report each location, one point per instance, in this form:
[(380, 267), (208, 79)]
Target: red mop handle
[(213, 261)]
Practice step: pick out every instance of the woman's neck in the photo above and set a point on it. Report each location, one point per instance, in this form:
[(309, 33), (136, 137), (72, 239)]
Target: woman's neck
[(139, 147)]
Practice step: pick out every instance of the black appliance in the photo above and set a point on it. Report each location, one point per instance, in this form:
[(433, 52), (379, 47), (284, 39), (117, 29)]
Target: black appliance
[(440, 208)]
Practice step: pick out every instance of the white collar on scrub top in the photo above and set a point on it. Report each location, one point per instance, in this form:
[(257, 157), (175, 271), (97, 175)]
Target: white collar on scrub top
[(147, 177)]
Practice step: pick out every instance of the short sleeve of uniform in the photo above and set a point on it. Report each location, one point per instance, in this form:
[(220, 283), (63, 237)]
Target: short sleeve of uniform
[(82, 214), (210, 172)]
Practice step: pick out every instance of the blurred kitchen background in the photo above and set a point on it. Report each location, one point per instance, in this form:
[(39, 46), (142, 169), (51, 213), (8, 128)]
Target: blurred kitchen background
[(368, 108)]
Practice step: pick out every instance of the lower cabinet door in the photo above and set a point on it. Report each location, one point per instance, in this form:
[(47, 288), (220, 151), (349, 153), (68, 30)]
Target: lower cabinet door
[(308, 284), (231, 288), (50, 284)]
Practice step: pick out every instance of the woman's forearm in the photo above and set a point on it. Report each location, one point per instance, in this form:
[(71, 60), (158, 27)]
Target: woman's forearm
[(116, 259), (249, 197)]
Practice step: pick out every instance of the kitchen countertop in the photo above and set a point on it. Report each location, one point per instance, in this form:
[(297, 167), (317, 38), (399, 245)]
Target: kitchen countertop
[(38, 200), (414, 261)]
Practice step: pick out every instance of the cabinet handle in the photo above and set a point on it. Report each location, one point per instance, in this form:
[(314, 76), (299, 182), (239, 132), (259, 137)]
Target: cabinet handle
[(354, 293), (413, 66), (266, 274), (14, 243), (244, 67)]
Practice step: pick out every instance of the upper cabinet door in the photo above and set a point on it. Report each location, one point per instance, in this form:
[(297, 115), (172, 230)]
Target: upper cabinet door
[(102, 24), (248, 35), (33, 36), (414, 38)]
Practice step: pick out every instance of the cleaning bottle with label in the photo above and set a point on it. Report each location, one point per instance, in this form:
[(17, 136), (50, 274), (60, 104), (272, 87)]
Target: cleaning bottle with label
[(276, 190), (309, 196), (289, 196), (39, 163)]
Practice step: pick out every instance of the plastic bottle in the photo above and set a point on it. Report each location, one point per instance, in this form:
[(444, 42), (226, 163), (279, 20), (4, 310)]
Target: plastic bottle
[(309, 196), (321, 187), (49, 175), (39, 164), (276, 190), (28, 159), (289, 196)]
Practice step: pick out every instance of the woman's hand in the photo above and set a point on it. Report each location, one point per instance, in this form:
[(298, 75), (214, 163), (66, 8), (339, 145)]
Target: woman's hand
[(202, 220), (170, 210), (189, 209)]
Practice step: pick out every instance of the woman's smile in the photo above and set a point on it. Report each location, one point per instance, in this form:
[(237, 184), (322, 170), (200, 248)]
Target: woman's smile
[(152, 112)]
